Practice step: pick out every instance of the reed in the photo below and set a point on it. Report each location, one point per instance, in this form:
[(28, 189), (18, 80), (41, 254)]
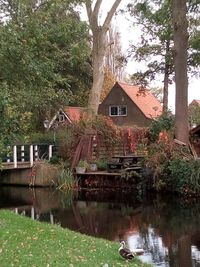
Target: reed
[(66, 180)]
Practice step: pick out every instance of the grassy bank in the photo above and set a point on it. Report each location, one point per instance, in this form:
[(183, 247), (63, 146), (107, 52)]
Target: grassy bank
[(24, 242)]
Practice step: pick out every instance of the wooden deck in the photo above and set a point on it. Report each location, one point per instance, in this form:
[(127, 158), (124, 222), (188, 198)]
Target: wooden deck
[(109, 173), (11, 165), (99, 173)]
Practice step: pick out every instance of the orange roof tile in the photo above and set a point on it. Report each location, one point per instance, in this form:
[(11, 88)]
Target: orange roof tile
[(74, 113), (144, 99), (195, 101)]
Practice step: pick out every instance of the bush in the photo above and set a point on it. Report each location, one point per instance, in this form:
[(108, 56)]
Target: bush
[(174, 168), (101, 164), (105, 131), (164, 122), (185, 175)]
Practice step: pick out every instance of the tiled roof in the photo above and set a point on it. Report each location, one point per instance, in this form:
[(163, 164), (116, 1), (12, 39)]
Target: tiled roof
[(144, 99), (195, 101), (74, 113)]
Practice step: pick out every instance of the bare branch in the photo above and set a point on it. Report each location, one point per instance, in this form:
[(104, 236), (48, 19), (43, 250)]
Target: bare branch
[(110, 15), (89, 11), (97, 7), (93, 14)]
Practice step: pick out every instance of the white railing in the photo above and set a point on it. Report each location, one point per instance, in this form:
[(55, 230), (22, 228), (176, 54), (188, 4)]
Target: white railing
[(22, 154)]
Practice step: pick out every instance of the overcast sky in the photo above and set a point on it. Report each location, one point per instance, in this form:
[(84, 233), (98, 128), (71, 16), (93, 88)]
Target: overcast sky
[(128, 34)]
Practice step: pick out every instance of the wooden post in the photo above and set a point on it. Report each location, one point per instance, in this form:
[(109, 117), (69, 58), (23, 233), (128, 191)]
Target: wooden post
[(22, 153), (50, 151), (31, 155), (51, 218), (8, 155), (32, 213), (36, 152), (15, 156)]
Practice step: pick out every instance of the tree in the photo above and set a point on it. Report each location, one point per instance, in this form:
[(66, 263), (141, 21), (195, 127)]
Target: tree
[(155, 49), (99, 46), (114, 59), (10, 120), (44, 55), (156, 43), (194, 113), (109, 81), (180, 24)]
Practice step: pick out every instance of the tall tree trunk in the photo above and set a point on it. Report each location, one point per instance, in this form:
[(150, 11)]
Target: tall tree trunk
[(98, 49), (181, 80), (166, 79), (184, 251)]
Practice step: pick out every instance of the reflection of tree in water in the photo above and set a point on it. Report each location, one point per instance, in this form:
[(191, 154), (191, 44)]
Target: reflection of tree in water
[(176, 222), (165, 228), (153, 245)]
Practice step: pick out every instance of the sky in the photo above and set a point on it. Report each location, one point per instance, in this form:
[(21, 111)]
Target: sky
[(130, 34)]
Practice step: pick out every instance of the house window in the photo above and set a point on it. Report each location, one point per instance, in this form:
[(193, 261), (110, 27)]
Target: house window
[(61, 118), (118, 110)]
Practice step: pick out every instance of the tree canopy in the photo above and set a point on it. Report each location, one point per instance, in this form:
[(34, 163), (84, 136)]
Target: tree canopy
[(44, 55), (155, 47)]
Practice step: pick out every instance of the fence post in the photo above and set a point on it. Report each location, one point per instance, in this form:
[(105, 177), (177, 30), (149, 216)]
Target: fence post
[(51, 218), (50, 151), (32, 213), (15, 156), (8, 155), (36, 152), (31, 155), (22, 153)]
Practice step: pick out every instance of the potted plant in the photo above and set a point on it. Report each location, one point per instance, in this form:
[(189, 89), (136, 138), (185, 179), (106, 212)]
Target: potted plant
[(81, 166), (102, 164), (93, 166)]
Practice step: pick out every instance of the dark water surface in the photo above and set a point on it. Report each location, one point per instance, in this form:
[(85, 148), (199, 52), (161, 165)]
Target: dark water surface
[(167, 228)]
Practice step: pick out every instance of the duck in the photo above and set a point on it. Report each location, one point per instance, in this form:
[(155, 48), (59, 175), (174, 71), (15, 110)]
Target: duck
[(125, 252)]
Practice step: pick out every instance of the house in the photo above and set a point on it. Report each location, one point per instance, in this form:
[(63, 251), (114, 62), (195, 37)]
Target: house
[(194, 112), (66, 116), (129, 105), (195, 102), (194, 134)]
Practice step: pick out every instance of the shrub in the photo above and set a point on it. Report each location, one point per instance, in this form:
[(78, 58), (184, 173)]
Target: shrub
[(164, 122), (102, 164), (185, 175), (174, 168), (105, 131), (54, 159)]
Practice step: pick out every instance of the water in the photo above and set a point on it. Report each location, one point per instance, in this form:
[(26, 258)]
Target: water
[(167, 228)]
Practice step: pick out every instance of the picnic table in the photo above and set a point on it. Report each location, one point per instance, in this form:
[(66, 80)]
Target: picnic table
[(121, 162)]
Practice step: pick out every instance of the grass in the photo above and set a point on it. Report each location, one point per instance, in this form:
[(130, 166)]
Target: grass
[(24, 242)]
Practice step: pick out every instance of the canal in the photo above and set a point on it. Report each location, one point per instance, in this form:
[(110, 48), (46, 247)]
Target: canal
[(166, 227)]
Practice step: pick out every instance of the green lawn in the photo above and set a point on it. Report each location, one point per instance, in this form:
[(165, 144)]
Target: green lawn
[(24, 242)]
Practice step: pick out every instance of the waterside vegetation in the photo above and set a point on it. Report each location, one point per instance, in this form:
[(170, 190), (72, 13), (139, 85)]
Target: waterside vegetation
[(25, 242), (173, 165)]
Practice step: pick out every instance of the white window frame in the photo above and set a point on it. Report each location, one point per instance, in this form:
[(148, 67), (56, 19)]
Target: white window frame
[(118, 108)]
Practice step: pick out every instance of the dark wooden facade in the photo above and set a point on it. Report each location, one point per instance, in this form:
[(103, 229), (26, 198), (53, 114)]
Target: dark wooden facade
[(195, 141), (134, 116)]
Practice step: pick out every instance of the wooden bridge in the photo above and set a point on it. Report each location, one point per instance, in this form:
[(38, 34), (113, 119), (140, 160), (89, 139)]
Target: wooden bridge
[(24, 156)]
